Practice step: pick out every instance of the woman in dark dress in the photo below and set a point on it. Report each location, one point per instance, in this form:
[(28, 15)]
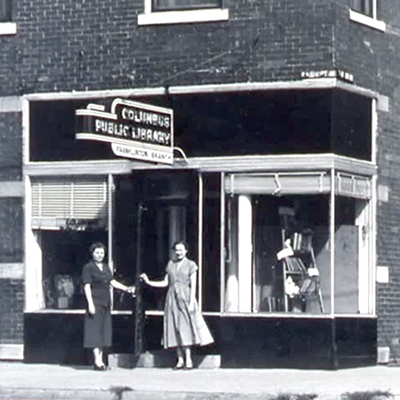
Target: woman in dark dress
[(97, 279), (184, 325)]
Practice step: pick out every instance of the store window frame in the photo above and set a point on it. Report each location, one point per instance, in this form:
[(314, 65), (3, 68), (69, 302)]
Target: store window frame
[(333, 183), (38, 219), (154, 15), (365, 12), (7, 27)]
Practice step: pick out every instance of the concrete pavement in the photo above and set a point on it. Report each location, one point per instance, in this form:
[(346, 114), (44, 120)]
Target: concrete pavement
[(48, 381)]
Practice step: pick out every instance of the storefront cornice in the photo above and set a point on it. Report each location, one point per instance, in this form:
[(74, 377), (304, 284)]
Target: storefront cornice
[(250, 163), (283, 163), (301, 84), (57, 168)]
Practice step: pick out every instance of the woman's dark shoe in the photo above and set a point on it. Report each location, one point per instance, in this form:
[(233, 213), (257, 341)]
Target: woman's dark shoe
[(100, 367)]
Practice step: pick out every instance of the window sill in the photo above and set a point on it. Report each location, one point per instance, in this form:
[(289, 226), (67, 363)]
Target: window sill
[(72, 311), (182, 17), (8, 28), (368, 21)]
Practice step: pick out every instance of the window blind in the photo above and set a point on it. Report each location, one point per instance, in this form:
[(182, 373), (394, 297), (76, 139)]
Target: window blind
[(56, 201)]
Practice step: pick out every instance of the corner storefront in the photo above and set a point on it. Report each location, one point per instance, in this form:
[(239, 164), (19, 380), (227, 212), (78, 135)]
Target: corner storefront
[(273, 187)]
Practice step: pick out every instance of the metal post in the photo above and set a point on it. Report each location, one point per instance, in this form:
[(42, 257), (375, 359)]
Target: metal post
[(334, 355), (138, 312), (200, 241)]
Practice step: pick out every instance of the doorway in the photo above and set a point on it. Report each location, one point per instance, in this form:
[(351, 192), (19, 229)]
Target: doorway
[(152, 211)]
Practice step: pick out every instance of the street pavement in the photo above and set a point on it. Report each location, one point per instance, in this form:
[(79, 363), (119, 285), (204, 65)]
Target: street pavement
[(48, 381)]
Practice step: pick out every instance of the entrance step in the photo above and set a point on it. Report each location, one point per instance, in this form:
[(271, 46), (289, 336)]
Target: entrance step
[(160, 359)]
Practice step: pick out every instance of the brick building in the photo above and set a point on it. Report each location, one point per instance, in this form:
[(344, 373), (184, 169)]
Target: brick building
[(284, 124)]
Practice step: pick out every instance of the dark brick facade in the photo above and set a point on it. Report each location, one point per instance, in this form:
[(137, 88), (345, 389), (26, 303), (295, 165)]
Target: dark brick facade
[(11, 252), (11, 311), (94, 45), (11, 234), (10, 147), (83, 45)]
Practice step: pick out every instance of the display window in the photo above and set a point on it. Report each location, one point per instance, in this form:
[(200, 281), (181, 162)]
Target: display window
[(296, 243), (67, 214), (294, 247)]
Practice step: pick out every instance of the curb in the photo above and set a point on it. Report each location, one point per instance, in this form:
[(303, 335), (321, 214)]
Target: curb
[(125, 393)]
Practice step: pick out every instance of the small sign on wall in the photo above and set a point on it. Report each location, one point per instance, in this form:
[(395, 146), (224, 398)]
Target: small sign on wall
[(134, 130), (382, 274)]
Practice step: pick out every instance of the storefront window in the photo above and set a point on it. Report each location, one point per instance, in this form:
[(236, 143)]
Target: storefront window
[(211, 243), (352, 260), (67, 216), (279, 252), (64, 253)]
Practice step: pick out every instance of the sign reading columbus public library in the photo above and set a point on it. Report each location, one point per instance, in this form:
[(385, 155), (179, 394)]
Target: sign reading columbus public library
[(135, 130)]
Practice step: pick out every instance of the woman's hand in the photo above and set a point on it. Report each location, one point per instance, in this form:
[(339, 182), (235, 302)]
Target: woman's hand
[(144, 278), (91, 309), (131, 290)]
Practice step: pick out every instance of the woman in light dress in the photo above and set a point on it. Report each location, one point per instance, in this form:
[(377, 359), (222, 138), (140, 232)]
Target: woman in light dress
[(184, 325)]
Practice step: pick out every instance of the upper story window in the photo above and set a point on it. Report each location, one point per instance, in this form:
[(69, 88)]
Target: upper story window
[(6, 26), (5, 10), (365, 12), (366, 7), (168, 5), (158, 12)]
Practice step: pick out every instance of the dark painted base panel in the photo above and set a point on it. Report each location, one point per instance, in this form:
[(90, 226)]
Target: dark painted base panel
[(298, 342), (255, 342), (58, 338)]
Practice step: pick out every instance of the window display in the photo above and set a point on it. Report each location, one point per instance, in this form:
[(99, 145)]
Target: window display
[(280, 257), (64, 253)]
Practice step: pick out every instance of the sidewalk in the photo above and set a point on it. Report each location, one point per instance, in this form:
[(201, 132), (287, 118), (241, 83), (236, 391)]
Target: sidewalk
[(45, 381)]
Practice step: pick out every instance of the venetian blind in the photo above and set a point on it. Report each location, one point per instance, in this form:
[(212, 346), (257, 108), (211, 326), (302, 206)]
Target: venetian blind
[(56, 200)]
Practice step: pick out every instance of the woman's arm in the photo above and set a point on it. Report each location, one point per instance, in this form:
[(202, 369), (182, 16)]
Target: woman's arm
[(117, 285), (89, 298), (155, 284)]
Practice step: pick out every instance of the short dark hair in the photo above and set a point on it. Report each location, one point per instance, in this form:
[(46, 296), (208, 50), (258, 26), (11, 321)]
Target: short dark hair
[(179, 242), (97, 245)]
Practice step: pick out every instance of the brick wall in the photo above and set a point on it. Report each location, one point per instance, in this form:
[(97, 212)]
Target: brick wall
[(99, 45), (11, 253), (11, 311), (374, 59), (10, 147), (11, 234)]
